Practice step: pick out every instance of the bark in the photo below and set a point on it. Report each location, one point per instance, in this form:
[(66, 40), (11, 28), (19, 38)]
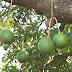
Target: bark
[(62, 8)]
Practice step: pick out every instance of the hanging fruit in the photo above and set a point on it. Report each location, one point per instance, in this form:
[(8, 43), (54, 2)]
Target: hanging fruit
[(46, 45), (23, 56), (60, 40), (7, 36)]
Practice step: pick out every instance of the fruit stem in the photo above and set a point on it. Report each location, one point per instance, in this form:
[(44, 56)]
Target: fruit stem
[(52, 8), (49, 28), (7, 24), (50, 24), (57, 24), (23, 38), (22, 43), (8, 15), (52, 16), (0, 23)]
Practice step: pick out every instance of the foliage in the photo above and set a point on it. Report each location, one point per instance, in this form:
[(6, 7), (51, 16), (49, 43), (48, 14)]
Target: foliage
[(19, 18)]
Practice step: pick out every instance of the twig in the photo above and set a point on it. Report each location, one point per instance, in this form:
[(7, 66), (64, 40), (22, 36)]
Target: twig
[(62, 55)]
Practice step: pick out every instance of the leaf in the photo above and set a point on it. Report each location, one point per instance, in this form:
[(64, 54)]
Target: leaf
[(3, 24), (64, 50), (0, 2), (11, 19), (1, 43), (35, 41), (70, 47), (69, 35)]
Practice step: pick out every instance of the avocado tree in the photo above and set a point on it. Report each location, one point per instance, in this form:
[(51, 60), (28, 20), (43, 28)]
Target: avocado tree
[(29, 49)]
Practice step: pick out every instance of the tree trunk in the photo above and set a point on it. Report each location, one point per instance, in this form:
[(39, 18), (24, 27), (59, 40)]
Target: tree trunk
[(62, 8)]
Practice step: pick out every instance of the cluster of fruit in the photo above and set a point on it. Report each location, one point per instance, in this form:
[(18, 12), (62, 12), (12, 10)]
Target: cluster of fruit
[(46, 45), (7, 37)]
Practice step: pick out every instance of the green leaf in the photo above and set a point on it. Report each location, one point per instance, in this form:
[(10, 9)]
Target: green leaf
[(0, 2), (64, 50), (70, 47), (3, 24), (35, 41)]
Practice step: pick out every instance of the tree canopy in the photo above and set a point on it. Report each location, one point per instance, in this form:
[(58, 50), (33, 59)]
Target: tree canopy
[(25, 18)]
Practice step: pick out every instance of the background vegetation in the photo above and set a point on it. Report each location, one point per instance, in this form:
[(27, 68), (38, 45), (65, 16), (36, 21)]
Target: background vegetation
[(26, 22)]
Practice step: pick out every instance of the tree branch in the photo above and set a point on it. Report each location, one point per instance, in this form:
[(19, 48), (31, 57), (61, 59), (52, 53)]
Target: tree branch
[(62, 8), (60, 58), (61, 55)]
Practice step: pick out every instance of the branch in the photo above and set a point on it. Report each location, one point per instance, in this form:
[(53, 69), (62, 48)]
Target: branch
[(62, 8), (61, 55)]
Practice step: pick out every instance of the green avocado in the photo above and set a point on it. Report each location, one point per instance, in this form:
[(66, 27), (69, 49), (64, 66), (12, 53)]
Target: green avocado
[(22, 56), (60, 40), (7, 36), (46, 45)]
